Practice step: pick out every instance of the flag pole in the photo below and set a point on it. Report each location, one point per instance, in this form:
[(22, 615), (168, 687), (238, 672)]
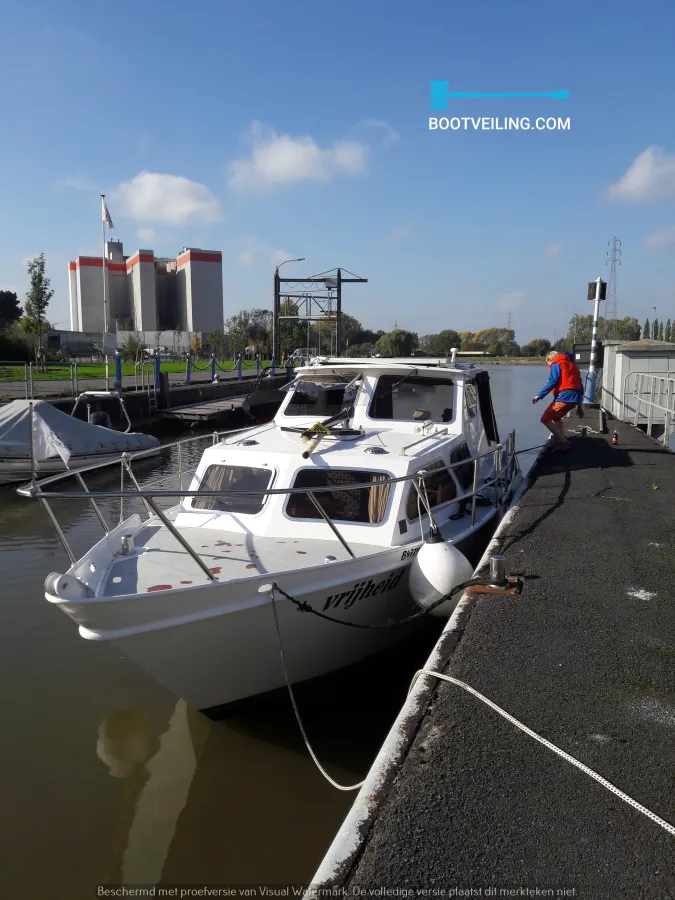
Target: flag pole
[(105, 293)]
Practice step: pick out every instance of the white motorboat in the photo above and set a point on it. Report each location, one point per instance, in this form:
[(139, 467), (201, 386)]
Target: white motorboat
[(35, 433), (325, 539)]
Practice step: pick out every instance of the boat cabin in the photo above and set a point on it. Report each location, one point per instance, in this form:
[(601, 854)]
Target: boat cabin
[(391, 420)]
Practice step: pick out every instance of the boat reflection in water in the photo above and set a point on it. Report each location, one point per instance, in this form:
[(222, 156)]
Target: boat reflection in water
[(239, 801)]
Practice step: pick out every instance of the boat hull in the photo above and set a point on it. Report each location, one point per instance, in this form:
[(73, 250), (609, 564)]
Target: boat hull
[(18, 471), (217, 644)]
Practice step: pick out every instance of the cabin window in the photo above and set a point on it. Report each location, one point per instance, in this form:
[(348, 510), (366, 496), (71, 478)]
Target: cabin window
[(367, 505), (413, 399), (234, 478), (464, 474), (324, 396), (470, 399), (440, 488)]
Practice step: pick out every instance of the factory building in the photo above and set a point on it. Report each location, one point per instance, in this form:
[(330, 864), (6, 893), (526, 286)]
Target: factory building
[(147, 293)]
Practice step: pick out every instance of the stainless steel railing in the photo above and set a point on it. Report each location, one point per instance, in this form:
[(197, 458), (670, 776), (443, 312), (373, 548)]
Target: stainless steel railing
[(654, 392), (505, 467)]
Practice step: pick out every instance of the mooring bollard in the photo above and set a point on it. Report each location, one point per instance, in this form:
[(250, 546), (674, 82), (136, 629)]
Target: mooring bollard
[(213, 367), (239, 367), (187, 368)]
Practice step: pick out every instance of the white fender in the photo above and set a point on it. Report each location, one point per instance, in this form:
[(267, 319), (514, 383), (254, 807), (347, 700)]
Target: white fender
[(437, 568)]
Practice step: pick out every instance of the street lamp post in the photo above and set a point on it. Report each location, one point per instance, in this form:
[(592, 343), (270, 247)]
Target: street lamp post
[(276, 327)]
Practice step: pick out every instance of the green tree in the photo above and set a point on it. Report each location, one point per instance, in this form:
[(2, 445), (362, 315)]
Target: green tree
[(511, 349), (34, 321), (627, 329), (646, 331), (440, 344), (494, 336), (216, 343), (397, 343), (351, 330), (661, 330), (293, 331), (537, 347), (132, 349), (10, 311), (667, 334), (496, 350), (655, 329)]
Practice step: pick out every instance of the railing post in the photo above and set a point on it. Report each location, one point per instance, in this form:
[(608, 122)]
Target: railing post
[(107, 374), (157, 364), (638, 396), (669, 410), (118, 367), (25, 378), (239, 367), (180, 468), (272, 368), (188, 364), (72, 380), (257, 364), (473, 491), (30, 375), (651, 401), (213, 367)]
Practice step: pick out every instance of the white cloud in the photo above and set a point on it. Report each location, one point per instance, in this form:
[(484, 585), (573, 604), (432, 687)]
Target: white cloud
[(663, 239), (258, 252), (651, 176), (281, 159), (511, 301), (553, 251), (168, 199), (388, 135), (146, 235)]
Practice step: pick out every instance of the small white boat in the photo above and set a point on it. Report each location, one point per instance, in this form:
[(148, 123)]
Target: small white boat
[(56, 442), (327, 540)]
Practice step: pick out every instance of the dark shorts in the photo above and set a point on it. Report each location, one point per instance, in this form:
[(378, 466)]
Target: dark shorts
[(556, 411)]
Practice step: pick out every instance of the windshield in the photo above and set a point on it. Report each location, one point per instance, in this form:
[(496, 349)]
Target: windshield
[(323, 394), (234, 478), (413, 399)]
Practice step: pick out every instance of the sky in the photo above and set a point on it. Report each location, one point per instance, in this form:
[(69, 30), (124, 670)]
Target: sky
[(273, 130)]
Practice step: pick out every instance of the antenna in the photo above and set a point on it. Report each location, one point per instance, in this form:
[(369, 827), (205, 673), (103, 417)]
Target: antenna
[(610, 328), (508, 322)]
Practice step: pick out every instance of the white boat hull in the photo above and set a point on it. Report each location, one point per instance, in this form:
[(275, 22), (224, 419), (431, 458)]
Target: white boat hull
[(18, 471), (217, 643)]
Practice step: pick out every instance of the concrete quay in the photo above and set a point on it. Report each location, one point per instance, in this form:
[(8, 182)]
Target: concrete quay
[(460, 800)]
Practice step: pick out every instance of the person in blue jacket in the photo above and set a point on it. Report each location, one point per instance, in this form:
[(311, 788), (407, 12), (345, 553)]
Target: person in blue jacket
[(564, 380)]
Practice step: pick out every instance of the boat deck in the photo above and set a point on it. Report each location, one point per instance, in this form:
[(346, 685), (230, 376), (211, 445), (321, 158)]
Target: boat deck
[(161, 563)]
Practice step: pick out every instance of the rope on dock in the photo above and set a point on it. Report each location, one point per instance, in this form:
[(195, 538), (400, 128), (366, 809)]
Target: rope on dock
[(566, 756)]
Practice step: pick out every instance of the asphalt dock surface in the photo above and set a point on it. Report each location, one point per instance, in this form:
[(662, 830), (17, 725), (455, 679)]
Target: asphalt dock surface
[(586, 658)]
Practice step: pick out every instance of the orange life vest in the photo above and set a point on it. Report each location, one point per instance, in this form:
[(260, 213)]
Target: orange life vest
[(570, 377)]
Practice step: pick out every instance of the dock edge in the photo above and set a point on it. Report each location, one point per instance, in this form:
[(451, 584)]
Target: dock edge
[(350, 840)]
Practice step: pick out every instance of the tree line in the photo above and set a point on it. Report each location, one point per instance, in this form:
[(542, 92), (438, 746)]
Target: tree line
[(250, 331)]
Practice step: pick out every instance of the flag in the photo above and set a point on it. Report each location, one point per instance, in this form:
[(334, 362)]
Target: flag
[(106, 215)]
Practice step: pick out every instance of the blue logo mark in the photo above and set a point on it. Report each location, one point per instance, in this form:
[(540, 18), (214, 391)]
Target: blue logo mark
[(441, 94)]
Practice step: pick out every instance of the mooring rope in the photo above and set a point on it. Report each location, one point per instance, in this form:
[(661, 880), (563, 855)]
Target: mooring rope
[(566, 756)]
